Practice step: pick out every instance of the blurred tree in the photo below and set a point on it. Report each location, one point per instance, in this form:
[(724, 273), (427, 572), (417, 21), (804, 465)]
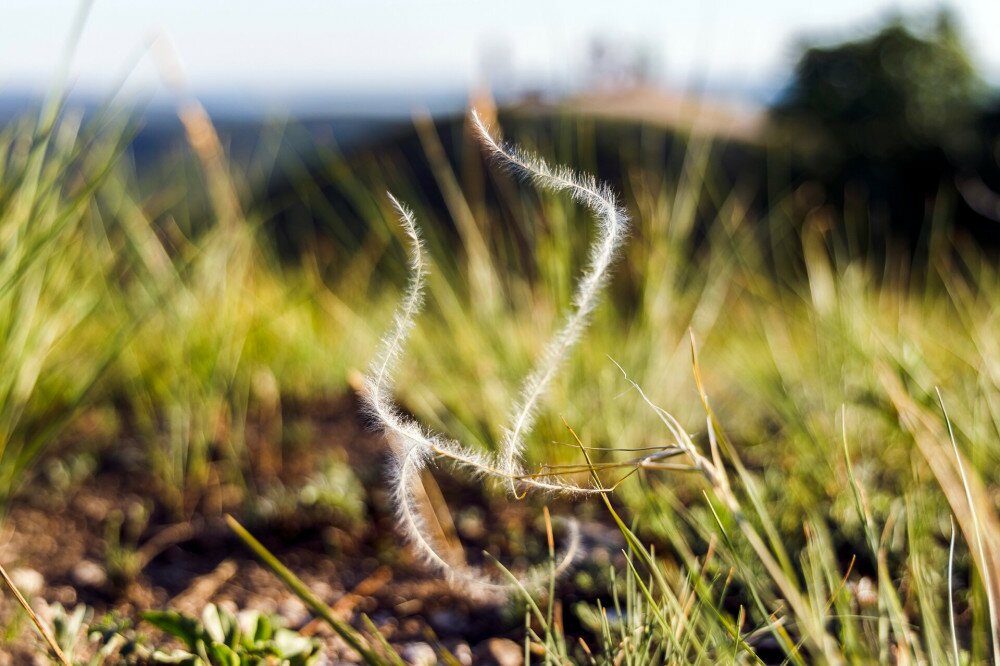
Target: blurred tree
[(892, 115)]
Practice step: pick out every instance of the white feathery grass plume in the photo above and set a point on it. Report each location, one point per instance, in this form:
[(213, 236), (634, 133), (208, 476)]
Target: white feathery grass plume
[(612, 226), (379, 380), (412, 447)]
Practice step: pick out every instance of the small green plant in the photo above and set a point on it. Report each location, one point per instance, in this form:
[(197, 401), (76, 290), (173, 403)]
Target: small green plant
[(123, 561), (333, 492), (217, 638), (220, 638), (110, 640)]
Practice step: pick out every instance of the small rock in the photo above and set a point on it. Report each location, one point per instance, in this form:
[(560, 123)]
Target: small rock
[(418, 654), (866, 592), (501, 651), (93, 507), (294, 611), (28, 581), (89, 573), (470, 524), (463, 653), (323, 590)]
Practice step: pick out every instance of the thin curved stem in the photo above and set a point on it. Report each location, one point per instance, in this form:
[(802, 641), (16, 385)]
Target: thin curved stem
[(612, 225)]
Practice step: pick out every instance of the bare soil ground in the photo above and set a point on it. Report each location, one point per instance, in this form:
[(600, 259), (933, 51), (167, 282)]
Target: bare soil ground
[(57, 542)]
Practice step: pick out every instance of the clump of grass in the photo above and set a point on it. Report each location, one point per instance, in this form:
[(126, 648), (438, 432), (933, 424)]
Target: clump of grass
[(58, 269), (794, 334), (226, 334), (744, 601)]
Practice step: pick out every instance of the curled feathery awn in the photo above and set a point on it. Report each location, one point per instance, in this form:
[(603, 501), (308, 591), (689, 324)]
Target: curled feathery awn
[(413, 446)]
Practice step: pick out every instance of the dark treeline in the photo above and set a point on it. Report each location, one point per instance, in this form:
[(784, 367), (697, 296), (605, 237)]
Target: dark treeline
[(900, 121)]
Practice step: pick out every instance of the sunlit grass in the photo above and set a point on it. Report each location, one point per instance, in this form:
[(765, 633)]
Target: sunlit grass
[(822, 365), (800, 352), (59, 323)]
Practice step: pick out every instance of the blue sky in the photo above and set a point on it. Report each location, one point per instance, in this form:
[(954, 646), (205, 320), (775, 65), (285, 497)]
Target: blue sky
[(377, 45)]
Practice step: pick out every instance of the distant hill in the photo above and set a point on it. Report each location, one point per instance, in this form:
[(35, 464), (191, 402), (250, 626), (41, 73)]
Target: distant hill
[(662, 108)]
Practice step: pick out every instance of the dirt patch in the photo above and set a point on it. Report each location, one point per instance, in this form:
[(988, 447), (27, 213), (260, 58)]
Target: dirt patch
[(110, 544)]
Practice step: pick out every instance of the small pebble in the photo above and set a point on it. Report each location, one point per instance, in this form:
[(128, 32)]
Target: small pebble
[(418, 654), (323, 590), (409, 607), (463, 653), (866, 592), (294, 611), (410, 626), (470, 524), (502, 652), (93, 508), (28, 581), (89, 573)]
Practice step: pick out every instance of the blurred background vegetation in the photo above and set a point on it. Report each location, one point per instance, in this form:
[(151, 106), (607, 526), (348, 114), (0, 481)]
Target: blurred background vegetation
[(184, 299)]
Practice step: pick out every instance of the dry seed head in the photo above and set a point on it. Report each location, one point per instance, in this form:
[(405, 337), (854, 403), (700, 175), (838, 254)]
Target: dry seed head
[(413, 447)]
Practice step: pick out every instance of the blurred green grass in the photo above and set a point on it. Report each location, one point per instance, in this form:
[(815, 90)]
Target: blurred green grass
[(167, 303)]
